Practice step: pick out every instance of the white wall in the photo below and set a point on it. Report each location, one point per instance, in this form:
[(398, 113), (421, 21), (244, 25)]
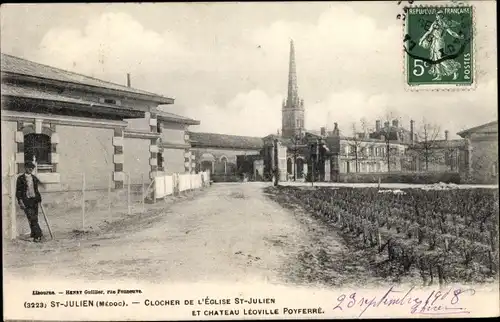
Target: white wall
[(84, 150), (173, 161), (141, 124), (172, 132), (136, 156), (9, 148)]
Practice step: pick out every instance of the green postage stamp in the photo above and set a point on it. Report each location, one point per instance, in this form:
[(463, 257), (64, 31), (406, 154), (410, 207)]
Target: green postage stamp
[(439, 47)]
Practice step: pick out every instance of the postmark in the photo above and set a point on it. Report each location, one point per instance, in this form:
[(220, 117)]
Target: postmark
[(438, 47)]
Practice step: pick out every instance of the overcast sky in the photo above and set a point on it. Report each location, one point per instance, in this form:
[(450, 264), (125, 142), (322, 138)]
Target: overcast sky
[(226, 64)]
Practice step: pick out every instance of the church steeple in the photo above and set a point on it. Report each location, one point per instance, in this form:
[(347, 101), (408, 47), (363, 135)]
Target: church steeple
[(293, 91), (293, 106)]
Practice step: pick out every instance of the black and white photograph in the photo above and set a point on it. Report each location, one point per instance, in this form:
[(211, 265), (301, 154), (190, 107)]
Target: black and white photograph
[(249, 160)]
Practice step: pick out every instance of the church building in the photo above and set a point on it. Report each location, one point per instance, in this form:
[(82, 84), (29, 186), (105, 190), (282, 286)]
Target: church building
[(299, 153), (302, 154)]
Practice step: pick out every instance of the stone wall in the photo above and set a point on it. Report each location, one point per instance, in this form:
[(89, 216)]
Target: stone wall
[(219, 155), (484, 159)]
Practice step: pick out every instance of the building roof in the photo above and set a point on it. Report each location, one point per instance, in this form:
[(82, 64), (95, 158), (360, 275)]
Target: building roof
[(19, 66), (392, 131), (478, 128), (216, 140), (22, 92), (440, 144), (171, 117)]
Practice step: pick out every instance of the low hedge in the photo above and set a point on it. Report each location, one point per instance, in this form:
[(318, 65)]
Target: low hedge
[(402, 177), (223, 178)]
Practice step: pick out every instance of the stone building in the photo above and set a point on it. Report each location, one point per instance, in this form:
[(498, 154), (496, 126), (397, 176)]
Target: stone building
[(227, 157), (481, 144), (72, 124)]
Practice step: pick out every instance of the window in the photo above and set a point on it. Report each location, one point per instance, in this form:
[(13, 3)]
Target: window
[(224, 161), (159, 160), (38, 146), (109, 101)]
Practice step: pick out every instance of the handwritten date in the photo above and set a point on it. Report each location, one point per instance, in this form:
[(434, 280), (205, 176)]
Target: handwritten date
[(433, 303)]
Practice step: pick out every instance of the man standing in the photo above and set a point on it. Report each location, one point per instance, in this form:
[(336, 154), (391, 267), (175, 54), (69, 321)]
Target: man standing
[(28, 197)]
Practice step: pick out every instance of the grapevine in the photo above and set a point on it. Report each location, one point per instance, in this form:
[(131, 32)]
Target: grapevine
[(445, 235)]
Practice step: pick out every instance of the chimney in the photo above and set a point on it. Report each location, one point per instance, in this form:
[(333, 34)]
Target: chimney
[(446, 135), (377, 125), (128, 80), (335, 129), (412, 135), (395, 123), (323, 131)]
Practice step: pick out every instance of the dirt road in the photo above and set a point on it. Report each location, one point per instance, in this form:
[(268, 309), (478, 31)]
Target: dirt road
[(230, 232)]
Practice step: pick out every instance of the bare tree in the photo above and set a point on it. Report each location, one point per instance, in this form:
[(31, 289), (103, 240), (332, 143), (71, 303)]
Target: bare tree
[(387, 136), (427, 137), (364, 125), (356, 143), (451, 156)]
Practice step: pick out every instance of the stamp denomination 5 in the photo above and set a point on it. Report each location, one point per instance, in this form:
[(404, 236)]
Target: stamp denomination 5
[(438, 46)]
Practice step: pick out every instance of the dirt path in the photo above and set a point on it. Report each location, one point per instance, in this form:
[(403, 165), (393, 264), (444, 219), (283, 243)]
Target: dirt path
[(228, 233)]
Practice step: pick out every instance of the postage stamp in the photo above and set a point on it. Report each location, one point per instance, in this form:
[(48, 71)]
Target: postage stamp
[(439, 47)]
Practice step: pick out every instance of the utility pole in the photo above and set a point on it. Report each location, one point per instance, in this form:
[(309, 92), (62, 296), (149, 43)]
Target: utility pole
[(295, 161), (312, 172), (296, 139), (314, 159), (276, 162)]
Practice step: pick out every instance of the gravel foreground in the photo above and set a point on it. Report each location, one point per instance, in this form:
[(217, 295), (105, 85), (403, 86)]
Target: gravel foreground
[(227, 233)]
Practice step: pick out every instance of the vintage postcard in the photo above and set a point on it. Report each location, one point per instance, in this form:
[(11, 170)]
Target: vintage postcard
[(273, 160)]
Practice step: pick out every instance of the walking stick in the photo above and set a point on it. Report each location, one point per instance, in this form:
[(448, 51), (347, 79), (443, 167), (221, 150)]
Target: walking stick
[(46, 221)]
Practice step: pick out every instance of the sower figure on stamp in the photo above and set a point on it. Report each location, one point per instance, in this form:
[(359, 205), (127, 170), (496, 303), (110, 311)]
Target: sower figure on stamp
[(29, 197), (433, 40)]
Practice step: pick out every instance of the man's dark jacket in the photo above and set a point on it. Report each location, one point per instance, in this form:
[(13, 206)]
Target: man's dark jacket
[(22, 188)]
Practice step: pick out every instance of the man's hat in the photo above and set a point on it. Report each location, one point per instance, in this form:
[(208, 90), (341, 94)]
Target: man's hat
[(29, 165)]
